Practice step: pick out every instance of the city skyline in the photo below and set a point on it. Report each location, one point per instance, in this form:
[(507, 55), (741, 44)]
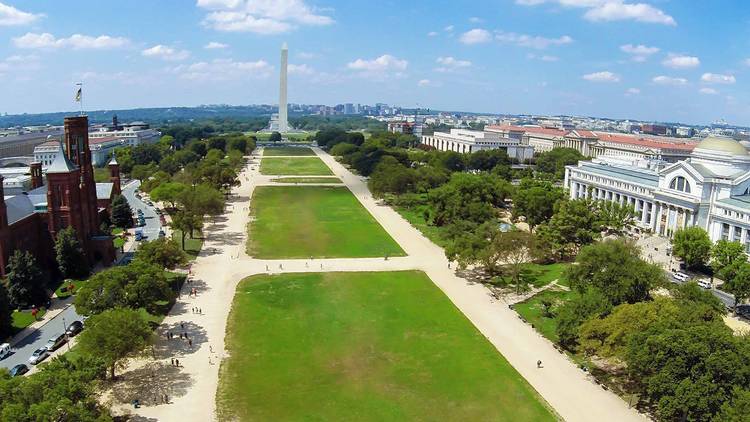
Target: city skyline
[(654, 61)]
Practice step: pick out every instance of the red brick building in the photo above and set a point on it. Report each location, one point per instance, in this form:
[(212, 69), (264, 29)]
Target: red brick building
[(70, 198)]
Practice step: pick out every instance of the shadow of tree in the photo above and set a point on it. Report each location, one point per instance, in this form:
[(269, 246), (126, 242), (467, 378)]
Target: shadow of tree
[(149, 384), (178, 347)]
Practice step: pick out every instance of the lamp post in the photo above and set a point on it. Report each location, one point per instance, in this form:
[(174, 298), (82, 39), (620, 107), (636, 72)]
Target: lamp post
[(65, 329)]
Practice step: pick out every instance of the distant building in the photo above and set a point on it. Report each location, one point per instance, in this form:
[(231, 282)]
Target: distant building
[(651, 129), (401, 127), (133, 134), (101, 150), (468, 141), (22, 142)]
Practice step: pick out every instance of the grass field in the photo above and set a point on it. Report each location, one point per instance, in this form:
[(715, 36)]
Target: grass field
[(542, 275), (294, 137), (362, 346), (303, 166), (192, 246), (307, 180), (280, 151), (324, 222), (22, 319), (532, 310)]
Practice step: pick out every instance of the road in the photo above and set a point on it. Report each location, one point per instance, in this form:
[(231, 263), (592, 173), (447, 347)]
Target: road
[(153, 225), (38, 338)]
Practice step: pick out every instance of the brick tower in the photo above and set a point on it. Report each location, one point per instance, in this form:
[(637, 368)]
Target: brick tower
[(114, 175), (64, 200), (78, 152)]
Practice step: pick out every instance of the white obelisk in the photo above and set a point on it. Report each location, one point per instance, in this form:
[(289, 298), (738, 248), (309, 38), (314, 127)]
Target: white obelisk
[(283, 124)]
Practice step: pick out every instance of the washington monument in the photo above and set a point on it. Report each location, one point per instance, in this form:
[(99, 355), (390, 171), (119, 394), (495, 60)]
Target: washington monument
[(283, 123)]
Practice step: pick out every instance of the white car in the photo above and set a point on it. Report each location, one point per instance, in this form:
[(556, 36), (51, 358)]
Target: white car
[(705, 283), (38, 355), (681, 277), (4, 350)]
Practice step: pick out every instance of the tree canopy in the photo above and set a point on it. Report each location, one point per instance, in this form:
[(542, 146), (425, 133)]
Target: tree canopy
[(692, 245), (71, 259)]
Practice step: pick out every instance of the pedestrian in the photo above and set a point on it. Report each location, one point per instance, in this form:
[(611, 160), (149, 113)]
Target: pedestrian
[(177, 362), (266, 267), (210, 348), (449, 265), (209, 361), (182, 326), (539, 364), (190, 343), (172, 361), (200, 311), (321, 266), (166, 399)]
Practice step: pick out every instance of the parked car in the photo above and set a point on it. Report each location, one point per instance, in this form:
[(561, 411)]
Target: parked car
[(38, 355), (161, 233), (74, 328), (705, 283), (18, 370), (4, 350), (55, 342), (743, 311), (681, 277)]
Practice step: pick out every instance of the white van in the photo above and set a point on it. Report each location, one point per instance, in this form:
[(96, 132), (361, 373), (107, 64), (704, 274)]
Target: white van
[(705, 283), (681, 277), (4, 350)]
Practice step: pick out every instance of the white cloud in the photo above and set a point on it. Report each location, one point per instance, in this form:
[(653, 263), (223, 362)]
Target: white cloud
[(475, 36), (299, 69), (432, 34), (677, 61), (632, 91), (76, 41), (260, 16), (640, 52), (612, 10), (544, 58), (164, 52), (19, 63), (379, 68), (668, 80), (382, 63), (449, 64), (531, 41), (213, 45), (10, 16), (475, 19), (305, 55), (223, 70), (708, 91), (604, 76), (448, 28), (424, 82), (715, 78)]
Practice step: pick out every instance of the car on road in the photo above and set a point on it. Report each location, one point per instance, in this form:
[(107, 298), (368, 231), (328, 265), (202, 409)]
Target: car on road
[(4, 350), (55, 342), (18, 370), (743, 311), (681, 277), (704, 283), (139, 235), (38, 355), (149, 203), (74, 328)]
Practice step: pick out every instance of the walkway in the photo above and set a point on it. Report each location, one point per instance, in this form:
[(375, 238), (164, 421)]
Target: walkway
[(223, 263)]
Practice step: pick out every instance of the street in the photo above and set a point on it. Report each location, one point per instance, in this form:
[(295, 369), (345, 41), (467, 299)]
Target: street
[(37, 339), (153, 225)]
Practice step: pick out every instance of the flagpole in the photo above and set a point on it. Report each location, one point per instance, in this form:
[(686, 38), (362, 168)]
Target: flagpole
[(80, 101)]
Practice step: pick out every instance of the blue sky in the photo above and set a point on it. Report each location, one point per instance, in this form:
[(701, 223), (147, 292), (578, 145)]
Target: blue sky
[(674, 60)]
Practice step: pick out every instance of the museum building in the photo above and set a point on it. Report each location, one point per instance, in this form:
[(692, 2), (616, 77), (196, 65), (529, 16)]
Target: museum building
[(709, 189)]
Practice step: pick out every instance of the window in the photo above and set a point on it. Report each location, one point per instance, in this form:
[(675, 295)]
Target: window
[(680, 183), (737, 234)]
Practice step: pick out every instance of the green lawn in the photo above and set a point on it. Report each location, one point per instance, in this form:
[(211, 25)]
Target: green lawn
[(324, 222), (293, 137), (533, 311), (307, 180), (63, 294), (542, 275), (384, 346), (415, 216), (302, 166), (192, 246), (22, 319), (280, 151)]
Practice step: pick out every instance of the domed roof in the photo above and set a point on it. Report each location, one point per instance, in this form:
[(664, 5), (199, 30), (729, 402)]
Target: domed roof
[(722, 144)]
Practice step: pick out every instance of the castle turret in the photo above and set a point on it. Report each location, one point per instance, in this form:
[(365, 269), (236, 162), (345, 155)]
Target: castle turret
[(114, 175), (36, 175)]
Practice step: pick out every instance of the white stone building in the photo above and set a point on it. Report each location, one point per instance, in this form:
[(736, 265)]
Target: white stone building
[(710, 189), (132, 135), (101, 150), (468, 141)]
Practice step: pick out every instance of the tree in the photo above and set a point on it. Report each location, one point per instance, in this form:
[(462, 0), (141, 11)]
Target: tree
[(692, 245), (25, 280), (143, 171), (737, 408), (122, 214), (114, 335), (739, 284), (71, 259), (275, 137), (390, 176), (535, 200), (169, 192), (343, 148), (575, 312), (553, 162), (726, 256), (614, 267), (468, 197), (573, 225), (162, 253), (514, 249)]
